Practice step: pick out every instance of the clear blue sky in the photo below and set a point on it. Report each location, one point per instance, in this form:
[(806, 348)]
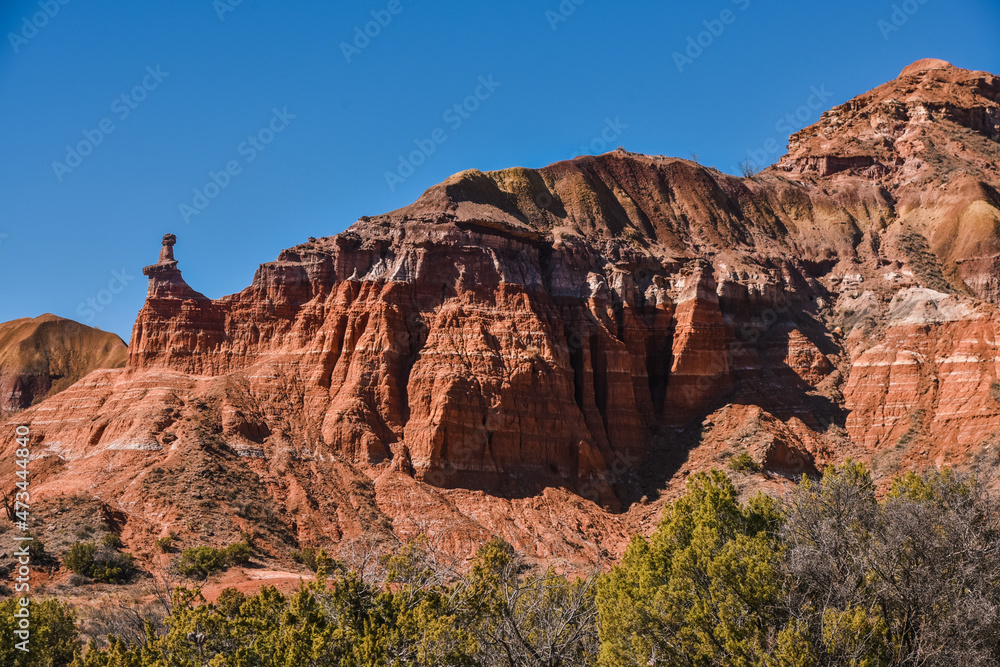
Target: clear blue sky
[(555, 85)]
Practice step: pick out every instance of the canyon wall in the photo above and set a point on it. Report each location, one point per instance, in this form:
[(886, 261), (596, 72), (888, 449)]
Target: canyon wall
[(544, 354)]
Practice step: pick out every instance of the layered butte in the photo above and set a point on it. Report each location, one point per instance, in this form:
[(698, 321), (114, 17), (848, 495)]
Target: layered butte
[(529, 352)]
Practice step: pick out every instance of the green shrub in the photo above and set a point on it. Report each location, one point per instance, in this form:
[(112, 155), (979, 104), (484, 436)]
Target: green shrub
[(201, 561), (80, 558), (100, 563), (238, 553), (113, 567), (744, 464), (54, 638), (112, 540), (307, 557), (164, 542), (36, 550)]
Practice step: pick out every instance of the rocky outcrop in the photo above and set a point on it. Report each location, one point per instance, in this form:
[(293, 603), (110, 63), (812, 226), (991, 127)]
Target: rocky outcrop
[(928, 378), (530, 352), (41, 356), (929, 138)]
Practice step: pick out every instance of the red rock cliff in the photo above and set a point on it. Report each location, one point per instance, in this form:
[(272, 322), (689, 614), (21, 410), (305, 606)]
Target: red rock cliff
[(520, 351)]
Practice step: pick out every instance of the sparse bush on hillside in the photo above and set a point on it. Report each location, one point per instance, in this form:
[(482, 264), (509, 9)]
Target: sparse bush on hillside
[(747, 168), (307, 557), (100, 563), (200, 562), (78, 580), (744, 464), (995, 390), (238, 553), (37, 552), (80, 558), (924, 262), (112, 540), (164, 542)]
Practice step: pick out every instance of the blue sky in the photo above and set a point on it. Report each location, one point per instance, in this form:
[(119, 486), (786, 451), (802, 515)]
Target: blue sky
[(293, 133)]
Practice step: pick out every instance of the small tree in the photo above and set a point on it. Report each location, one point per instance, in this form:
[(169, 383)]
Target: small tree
[(703, 590), (100, 563), (748, 168), (238, 553), (199, 562), (526, 616), (911, 580)]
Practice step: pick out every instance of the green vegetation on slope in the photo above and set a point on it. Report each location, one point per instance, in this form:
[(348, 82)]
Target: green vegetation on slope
[(830, 576)]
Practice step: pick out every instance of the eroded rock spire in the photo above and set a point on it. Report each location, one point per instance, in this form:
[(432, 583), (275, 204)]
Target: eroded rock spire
[(165, 279), (167, 251)]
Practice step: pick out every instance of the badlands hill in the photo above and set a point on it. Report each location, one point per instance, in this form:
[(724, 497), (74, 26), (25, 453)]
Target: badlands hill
[(40, 357), (544, 354)]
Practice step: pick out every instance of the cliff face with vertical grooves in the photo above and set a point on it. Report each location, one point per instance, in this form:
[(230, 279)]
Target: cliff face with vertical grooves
[(528, 352)]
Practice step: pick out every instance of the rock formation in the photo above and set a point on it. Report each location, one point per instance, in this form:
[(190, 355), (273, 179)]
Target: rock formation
[(529, 352), (41, 356), (167, 251)]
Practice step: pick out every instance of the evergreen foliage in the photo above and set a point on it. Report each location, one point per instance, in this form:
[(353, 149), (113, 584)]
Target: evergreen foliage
[(830, 576)]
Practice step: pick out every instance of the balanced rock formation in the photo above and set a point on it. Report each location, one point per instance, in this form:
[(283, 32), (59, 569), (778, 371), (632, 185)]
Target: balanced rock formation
[(529, 352), (41, 356)]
